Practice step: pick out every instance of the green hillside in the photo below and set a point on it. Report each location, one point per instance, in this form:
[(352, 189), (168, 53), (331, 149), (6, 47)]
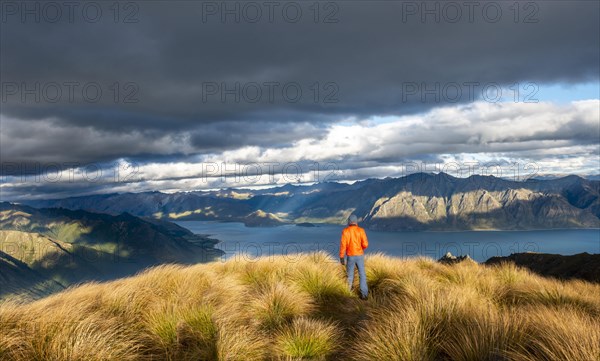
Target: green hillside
[(74, 246)]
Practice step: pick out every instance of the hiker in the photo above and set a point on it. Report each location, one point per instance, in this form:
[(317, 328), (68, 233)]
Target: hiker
[(353, 243)]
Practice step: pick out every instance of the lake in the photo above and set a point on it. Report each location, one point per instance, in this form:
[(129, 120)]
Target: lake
[(251, 242)]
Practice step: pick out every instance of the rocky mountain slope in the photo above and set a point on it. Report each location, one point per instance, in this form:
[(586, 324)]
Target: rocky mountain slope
[(419, 201)]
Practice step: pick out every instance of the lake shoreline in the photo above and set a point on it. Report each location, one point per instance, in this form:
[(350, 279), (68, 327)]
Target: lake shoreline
[(317, 225), (236, 238)]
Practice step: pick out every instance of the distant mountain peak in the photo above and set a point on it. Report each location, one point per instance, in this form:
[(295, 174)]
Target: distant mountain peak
[(422, 200)]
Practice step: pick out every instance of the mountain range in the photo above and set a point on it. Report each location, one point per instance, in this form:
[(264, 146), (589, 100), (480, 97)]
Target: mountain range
[(420, 201)]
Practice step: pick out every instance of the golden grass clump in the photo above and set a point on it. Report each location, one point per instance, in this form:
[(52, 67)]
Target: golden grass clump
[(558, 334), (323, 280), (298, 307), (237, 342), (392, 335), (308, 339), (279, 305)]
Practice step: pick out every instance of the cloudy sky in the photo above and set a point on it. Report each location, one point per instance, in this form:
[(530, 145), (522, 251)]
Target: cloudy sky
[(103, 97)]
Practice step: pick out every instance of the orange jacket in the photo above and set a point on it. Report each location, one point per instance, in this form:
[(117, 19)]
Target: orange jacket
[(354, 241)]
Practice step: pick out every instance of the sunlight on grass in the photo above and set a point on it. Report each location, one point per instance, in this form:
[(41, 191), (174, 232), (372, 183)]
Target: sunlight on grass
[(279, 305), (299, 308), (308, 339)]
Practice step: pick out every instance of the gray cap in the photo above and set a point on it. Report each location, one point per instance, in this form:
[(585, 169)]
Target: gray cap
[(352, 219)]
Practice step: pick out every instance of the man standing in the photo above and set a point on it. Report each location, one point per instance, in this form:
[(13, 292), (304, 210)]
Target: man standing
[(354, 241)]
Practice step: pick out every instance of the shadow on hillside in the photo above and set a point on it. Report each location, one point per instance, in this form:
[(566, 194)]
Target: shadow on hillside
[(16, 278), (583, 266)]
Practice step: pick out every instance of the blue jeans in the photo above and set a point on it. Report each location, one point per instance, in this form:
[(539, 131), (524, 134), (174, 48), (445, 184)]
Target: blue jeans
[(358, 261)]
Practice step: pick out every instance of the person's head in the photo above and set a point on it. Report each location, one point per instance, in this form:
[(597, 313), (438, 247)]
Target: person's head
[(352, 219)]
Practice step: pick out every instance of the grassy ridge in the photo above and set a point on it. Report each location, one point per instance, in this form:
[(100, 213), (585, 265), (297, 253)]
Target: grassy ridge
[(297, 307)]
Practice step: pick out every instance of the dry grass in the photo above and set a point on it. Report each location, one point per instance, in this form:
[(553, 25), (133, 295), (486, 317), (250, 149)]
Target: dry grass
[(279, 305), (298, 308), (309, 339)]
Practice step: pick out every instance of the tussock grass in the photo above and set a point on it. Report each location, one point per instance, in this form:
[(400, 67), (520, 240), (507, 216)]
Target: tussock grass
[(237, 342), (299, 308), (322, 286), (392, 335), (308, 339), (558, 334), (279, 305)]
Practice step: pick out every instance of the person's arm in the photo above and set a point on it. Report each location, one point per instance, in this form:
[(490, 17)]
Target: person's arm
[(364, 242), (343, 245)]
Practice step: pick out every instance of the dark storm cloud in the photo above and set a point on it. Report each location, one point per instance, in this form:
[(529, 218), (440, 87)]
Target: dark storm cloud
[(230, 135), (163, 77)]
